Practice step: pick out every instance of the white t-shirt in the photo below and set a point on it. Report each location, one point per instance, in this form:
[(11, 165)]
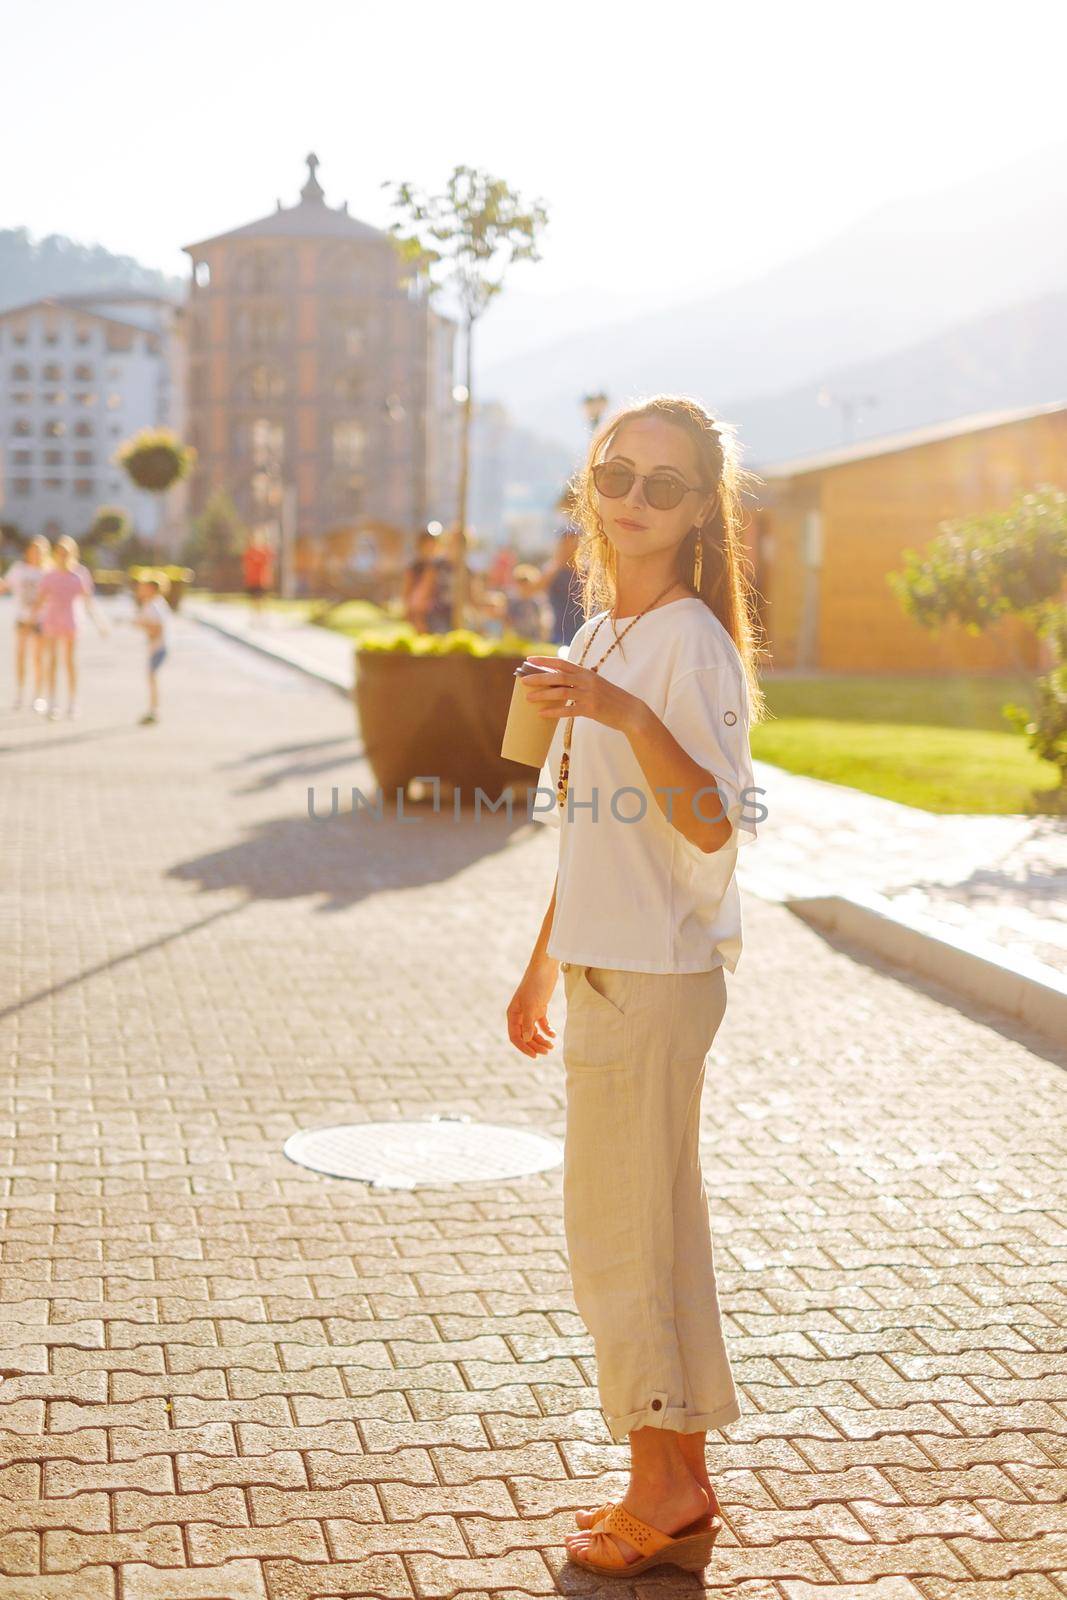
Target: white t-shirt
[(638, 895), (23, 580), (156, 610)]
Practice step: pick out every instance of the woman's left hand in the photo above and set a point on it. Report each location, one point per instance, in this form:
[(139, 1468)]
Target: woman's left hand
[(569, 690)]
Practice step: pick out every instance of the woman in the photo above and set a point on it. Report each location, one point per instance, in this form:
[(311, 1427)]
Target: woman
[(22, 579), (658, 691), (419, 591), (59, 590)]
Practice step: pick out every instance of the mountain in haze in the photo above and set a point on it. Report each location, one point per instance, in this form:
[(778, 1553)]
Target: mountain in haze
[(1002, 361), (32, 268), (903, 275)]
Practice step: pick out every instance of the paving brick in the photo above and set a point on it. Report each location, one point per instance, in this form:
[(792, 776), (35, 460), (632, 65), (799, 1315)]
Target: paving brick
[(339, 1580), (233, 1377), (231, 1580), (879, 1589), (89, 1583), (224, 1506), (62, 1551)]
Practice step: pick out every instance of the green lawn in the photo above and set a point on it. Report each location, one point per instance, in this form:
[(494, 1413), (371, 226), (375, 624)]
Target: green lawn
[(939, 743)]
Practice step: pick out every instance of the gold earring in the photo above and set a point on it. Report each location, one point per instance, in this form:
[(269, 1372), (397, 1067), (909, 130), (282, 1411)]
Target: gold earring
[(698, 560)]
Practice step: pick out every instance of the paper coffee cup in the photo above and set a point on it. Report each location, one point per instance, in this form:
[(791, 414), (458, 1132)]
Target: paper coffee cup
[(527, 735)]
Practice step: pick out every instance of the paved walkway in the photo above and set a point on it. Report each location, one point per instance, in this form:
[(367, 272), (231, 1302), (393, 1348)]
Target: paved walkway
[(1002, 880), (226, 1376)]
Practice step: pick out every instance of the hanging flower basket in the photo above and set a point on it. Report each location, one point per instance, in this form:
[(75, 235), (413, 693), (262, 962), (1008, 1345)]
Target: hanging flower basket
[(109, 526), (155, 459)]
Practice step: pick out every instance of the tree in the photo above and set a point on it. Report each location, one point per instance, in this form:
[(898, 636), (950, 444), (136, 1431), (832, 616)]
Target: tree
[(217, 537), (1006, 563), (474, 231)]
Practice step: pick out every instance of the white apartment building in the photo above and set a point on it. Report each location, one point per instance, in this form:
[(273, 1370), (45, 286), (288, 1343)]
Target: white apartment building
[(78, 375)]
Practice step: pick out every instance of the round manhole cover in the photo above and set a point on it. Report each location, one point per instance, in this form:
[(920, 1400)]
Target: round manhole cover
[(400, 1155)]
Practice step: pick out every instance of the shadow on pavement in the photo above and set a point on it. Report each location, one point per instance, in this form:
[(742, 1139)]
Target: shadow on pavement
[(54, 741), (344, 859), (116, 961)]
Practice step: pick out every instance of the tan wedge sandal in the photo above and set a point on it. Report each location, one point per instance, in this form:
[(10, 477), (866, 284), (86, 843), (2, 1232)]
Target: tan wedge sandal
[(705, 1519), (682, 1549)]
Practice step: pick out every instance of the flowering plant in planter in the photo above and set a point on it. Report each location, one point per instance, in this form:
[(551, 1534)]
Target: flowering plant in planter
[(435, 706)]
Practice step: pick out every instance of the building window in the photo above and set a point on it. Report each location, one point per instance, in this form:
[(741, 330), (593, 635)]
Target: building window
[(53, 458), (21, 485), (54, 429), (259, 272), (83, 486), (202, 275), (267, 442), (85, 399), (349, 441), (51, 372), (53, 483), (19, 336), (83, 458), (119, 339), (83, 336), (83, 372), (21, 427), (265, 383), (21, 397), (20, 372), (262, 328), (54, 397), (22, 458), (83, 429), (113, 402), (51, 336)]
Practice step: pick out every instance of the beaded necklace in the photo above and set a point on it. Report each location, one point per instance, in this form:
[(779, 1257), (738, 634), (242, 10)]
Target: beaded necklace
[(565, 759)]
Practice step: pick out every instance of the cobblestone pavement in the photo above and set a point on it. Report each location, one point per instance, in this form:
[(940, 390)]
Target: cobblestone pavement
[(227, 1377)]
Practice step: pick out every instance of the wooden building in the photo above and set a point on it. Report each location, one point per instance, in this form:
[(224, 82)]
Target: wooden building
[(320, 384), (831, 527)]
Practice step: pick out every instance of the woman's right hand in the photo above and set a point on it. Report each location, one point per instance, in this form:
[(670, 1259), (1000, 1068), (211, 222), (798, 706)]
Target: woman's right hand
[(528, 1026)]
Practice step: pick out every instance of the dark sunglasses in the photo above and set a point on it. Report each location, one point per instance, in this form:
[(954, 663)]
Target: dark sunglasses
[(663, 490)]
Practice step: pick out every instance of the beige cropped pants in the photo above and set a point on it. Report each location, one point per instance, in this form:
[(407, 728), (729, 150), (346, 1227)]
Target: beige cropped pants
[(634, 1203)]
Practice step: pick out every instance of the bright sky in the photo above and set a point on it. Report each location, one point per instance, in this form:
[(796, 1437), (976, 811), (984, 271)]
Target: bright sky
[(679, 144)]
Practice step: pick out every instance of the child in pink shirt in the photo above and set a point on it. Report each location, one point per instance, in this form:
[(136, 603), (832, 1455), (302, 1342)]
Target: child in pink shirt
[(57, 592)]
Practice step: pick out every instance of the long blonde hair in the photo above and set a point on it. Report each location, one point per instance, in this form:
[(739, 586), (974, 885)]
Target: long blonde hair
[(726, 586)]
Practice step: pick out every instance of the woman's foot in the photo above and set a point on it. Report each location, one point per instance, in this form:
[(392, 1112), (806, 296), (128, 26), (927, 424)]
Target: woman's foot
[(587, 1518), (669, 1505)]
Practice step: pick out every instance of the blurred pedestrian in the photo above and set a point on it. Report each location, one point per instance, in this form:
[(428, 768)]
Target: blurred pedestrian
[(22, 579), (258, 567), (564, 587), (420, 583), (440, 619), (526, 612), (61, 590), (153, 617), (502, 567)]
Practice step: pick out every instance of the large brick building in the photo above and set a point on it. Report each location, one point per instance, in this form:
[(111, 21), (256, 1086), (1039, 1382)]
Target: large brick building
[(832, 527), (320, 385)]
